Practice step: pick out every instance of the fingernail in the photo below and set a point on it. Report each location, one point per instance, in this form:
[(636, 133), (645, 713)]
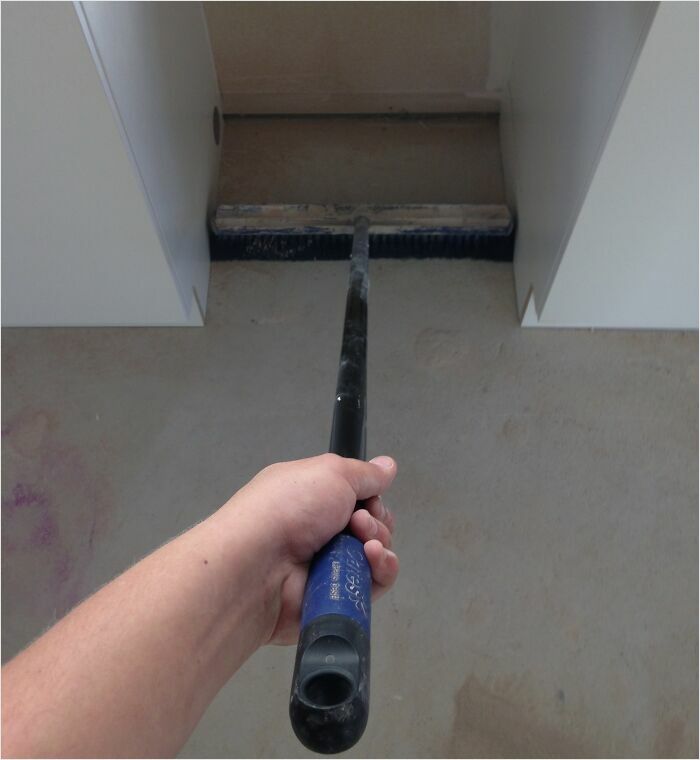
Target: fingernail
[(385, 511), (386, 462)]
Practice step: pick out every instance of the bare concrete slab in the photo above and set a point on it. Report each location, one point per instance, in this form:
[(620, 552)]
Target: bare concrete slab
[(546, 500)]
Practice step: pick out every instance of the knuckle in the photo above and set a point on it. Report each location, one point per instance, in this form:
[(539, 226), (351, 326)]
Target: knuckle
[(272, 469), (331, 461)]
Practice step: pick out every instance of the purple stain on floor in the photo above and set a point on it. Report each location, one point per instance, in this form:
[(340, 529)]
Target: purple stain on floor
[(30, 522), (23, 495), (63, 568), (45, 532), (55, 508), (93, 526)]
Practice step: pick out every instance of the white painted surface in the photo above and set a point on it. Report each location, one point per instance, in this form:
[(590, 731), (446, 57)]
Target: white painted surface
[(78, 244), (568, 73), (632, 260), (109, 163), (156, 62)]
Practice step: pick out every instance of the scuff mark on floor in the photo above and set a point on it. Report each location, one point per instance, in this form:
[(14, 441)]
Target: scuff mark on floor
[(499, 717)]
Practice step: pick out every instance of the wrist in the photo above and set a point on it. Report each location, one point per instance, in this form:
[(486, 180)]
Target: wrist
[(249, 569)]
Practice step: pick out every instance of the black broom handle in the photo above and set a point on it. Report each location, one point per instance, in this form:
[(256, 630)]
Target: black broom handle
[(329, 702)]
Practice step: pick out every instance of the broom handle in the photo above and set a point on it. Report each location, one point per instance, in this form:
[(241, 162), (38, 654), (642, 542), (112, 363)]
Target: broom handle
[(348, 435), (329, 703)]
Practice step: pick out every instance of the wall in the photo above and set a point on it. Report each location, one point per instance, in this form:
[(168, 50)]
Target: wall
[(104, 209), (156, 64), (506, 18), (568, 73), (634, 250), (307, 57)]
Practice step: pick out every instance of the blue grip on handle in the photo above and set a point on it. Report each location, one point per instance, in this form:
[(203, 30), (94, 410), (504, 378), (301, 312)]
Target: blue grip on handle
[(339, 582)]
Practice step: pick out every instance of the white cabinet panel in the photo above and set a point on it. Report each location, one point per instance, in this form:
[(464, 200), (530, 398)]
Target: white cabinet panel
[(104, 218)]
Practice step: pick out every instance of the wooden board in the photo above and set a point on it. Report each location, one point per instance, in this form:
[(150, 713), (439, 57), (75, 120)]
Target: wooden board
[(338, 219), (378, 160)]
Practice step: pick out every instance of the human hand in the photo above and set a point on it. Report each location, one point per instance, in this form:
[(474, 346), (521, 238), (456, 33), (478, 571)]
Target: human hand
[(301, 505), (173, 628)]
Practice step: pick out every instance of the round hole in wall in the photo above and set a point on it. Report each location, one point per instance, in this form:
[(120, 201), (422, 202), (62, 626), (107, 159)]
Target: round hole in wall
[(216, 123)]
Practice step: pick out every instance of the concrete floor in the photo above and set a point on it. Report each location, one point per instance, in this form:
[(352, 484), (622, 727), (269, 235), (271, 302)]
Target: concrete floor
[(546, 500)]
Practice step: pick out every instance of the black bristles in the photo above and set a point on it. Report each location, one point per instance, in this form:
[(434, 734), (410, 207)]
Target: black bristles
[(489, 246)]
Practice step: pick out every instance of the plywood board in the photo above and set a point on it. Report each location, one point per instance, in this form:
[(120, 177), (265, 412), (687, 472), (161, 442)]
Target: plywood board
[(379, 160)]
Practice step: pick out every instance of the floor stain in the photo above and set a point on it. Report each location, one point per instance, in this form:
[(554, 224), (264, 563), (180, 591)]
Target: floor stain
[(514, 430), (499, 718), (26, 433), (440, 348), (478, 610), (457, 532), (53, 510), (670, 740)]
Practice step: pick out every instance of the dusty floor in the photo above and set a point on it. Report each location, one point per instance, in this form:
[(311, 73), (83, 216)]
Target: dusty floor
[(546, 502)]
